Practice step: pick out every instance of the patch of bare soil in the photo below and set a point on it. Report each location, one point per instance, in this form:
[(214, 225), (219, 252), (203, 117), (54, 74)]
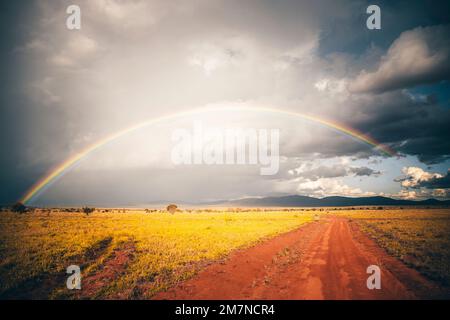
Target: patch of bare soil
[(95, 285)]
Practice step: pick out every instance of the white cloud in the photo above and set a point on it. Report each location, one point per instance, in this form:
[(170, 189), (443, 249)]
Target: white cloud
[(414, 176), (422, 194), (409, 194), (327, 187), (210, 57), (320, 178), (332, 86), (420, 184)]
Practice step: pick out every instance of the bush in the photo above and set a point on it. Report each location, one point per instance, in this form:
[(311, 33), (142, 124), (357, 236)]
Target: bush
[(88, 210), (19, 207)]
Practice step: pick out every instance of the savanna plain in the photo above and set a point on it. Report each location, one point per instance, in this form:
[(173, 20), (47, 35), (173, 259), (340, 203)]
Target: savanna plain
[(148, 254)]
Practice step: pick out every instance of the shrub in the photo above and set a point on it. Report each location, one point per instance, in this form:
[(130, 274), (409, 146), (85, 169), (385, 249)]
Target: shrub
[(19, 207), (88, 210)]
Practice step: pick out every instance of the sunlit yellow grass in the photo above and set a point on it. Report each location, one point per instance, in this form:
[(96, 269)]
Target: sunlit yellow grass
[(39, 243), (419, 237)]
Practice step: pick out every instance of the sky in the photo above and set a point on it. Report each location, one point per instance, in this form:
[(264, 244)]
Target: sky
[(63, 90)]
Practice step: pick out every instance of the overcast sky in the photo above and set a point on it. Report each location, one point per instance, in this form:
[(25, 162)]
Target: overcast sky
[(62, 90)]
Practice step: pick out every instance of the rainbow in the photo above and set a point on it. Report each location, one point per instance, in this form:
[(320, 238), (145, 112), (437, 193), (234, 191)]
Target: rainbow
[(64, 167)]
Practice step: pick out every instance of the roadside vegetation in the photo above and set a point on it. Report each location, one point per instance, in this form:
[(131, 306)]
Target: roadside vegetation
[(418, 237)]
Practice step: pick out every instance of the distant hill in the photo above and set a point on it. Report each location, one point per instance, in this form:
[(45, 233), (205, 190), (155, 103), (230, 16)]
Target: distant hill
[(304, 201)]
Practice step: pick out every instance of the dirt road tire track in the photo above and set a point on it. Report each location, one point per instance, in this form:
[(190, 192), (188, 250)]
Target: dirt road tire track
[(327, 259)]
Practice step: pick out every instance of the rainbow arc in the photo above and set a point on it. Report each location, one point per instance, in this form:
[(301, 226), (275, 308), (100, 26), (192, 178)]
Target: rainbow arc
[(57, 172)]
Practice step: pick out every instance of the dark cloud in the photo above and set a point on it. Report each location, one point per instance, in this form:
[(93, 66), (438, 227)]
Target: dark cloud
[(437, 182), (409, 126), (363, 171), (418, 56), (336, 171), (61, 91)]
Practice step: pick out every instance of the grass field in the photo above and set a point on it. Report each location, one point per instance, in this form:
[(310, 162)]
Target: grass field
[(134, 254), (36, 248), (418, 237)]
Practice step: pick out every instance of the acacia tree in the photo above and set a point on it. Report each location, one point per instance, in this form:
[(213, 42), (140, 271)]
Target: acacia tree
[(172, 208), (88, 210)]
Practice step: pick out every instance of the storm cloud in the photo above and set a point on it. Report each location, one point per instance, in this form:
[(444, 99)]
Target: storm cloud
[(418, 56), (135, 60)]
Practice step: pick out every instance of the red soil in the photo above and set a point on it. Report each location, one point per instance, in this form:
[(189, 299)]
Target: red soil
[(327, 259), (114, 266)]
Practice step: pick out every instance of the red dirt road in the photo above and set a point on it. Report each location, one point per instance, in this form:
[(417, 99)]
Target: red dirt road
[(327, 259)]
